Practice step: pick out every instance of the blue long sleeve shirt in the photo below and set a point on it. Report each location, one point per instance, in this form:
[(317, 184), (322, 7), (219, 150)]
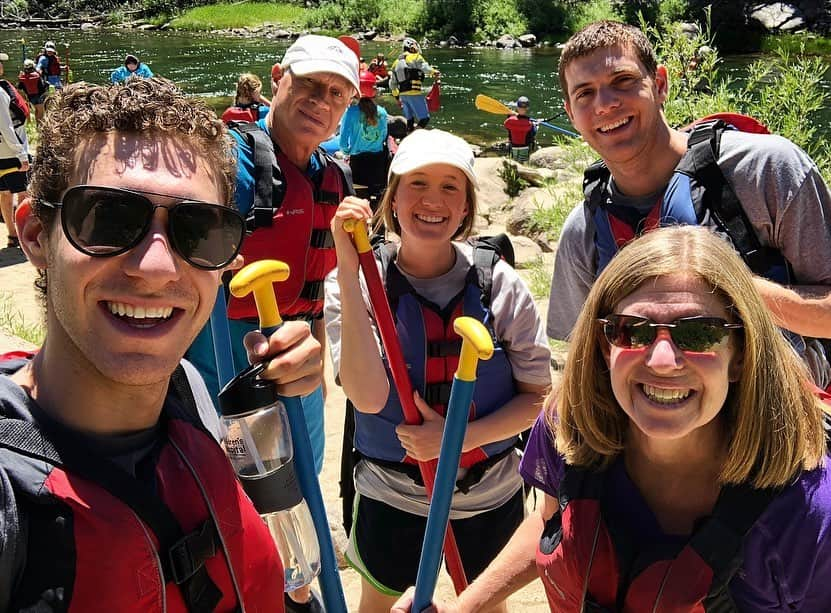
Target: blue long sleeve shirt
[(357, 136)]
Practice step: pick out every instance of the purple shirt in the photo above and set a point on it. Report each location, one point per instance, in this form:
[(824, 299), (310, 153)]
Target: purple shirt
[(787, 553)]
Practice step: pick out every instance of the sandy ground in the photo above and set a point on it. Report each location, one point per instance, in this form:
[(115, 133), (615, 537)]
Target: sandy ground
[(16, 277)]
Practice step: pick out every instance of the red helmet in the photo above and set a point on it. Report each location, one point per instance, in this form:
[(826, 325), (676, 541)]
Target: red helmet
[(367, 83)]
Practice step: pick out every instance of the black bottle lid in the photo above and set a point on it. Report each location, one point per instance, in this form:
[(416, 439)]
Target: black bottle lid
[(246, 393)]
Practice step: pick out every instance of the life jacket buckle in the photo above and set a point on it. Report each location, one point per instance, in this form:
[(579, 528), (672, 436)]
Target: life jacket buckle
[(189, 553)]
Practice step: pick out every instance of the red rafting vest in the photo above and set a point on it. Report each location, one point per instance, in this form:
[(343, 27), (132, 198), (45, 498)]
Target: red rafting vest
[(53, 65), (291, 221), (587, 564), (32, 82), (88, 550), (248, 113)]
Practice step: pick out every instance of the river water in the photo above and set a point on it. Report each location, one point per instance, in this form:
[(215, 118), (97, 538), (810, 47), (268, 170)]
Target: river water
[(208, 65)]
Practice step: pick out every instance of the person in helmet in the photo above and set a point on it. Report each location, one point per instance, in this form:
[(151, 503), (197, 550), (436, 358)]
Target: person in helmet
[(521, 131), (132, 67), (363, 138), (30, 81), (49, 65), (406, 78)]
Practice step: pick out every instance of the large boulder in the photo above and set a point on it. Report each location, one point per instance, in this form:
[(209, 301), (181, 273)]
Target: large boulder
[(506, 41), (528, 40), (779, 16), (491, 195), (519, 221)]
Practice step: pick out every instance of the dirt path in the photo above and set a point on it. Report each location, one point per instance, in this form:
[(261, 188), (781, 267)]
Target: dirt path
[(16, 279)]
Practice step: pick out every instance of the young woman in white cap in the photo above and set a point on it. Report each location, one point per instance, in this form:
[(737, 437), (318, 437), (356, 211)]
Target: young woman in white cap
[(432, 276)]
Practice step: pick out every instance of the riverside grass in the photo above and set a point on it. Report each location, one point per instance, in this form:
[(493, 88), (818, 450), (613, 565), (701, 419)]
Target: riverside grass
[(240, 15)]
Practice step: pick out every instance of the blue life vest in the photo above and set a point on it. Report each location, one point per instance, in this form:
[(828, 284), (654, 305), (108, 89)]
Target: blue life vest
[(431, 351)]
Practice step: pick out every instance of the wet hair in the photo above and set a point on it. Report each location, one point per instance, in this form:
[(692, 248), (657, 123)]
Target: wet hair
[(602, 35), (384, 217), (772, 420), (369, 110), (248, 85), (152, 106)]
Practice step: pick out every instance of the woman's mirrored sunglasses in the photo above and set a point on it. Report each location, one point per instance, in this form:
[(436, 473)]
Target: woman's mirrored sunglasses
[(696, 334), (109, 221)]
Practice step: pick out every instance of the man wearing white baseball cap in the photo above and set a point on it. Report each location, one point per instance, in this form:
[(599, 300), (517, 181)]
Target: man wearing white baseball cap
[(289, 190)]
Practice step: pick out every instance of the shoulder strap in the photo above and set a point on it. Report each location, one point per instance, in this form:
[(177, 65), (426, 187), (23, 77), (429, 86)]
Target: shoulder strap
[(485, 257), (720, 541), (346, 174), (595, 178), (719, 200), (269, 183), (182, 556)]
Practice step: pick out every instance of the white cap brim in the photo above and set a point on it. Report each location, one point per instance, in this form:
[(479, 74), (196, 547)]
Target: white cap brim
[(427, 147), (305, 67)]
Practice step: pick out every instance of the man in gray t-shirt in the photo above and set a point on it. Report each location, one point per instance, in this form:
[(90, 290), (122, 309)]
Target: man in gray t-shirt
[(614, 90)]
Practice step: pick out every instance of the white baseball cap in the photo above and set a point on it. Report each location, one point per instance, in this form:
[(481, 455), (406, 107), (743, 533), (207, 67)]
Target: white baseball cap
[(425, 147), (313, 53), (4, 57)]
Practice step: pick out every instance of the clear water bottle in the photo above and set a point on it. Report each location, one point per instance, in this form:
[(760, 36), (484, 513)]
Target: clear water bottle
[(258, 442)]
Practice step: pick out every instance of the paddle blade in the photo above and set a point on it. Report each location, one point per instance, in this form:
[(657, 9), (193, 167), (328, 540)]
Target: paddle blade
[(490, 105)]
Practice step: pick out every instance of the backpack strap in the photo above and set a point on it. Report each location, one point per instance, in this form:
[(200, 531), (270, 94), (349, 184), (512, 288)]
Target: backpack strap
[(182, 556), (595, 180), (720, 541), (719, 200), (269, 182)]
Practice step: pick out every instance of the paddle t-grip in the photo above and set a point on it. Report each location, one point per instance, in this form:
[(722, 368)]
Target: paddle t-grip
[(258, 278)]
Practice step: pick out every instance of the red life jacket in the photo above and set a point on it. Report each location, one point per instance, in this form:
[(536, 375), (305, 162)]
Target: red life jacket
[(89, 546), (520, 130), (588, 564), (292, 226), (32, 82), (239, 113), (53, 65)]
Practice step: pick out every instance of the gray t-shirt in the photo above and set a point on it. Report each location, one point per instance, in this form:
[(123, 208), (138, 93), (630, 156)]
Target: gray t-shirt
[(783, 196), (519, 327)]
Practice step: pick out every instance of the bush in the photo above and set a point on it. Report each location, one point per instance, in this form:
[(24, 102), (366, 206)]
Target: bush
[(513, 182), (584, 13)]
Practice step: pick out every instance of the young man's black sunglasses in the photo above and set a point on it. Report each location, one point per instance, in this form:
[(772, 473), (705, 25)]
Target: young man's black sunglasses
[(109, 221)]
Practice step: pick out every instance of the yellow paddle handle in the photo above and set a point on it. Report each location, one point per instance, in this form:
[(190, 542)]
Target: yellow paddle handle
[(476, 345), (359, 234), (258, 278)]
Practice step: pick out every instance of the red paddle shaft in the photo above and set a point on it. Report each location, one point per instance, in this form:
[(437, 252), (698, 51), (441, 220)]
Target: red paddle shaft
[(401, 379)]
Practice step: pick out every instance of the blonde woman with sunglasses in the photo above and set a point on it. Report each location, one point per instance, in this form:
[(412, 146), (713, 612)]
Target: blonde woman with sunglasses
[(683, 460)]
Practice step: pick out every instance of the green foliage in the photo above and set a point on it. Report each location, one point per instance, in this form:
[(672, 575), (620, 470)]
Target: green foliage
[(584, 13), (382, 15), (783, 92), (544, 16), (661, 12), (237, 15), (796, 43), (493, 18), (513, 182), (13, 322)]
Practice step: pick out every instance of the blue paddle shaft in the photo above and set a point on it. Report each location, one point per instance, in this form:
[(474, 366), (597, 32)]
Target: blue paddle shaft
[(558, 128), (455, 427), (223, 354), (304, 467)]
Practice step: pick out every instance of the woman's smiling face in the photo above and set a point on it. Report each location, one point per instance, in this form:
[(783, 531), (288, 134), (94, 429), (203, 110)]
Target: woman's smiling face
[(666, 392), (431, 203)]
